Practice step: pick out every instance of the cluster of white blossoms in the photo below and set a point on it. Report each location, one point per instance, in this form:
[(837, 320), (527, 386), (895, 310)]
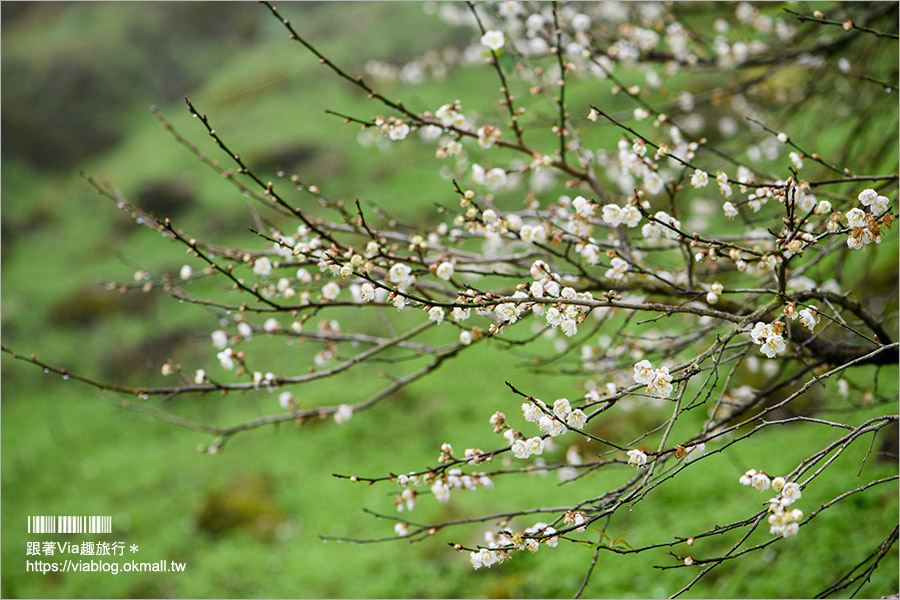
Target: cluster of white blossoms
[(488, 557), (440, 484), (658, 381), (618, 270), (488, 135), (809, 316), (455, 479), (638, 458), (494, 179), (724, 186), (546, 285), (715, 290), (768, 337), (615, 215), (519, 214), (864, 227), (343, 414), (653, 230), (563, 411), (226, 358), (552, 423), (730, 210), (781, 521), (523, 448), (392, 128), (450, 115), (501, 544), (699, 178), (875, 202)]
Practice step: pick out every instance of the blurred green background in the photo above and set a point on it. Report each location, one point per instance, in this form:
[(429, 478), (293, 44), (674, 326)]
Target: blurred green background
[(77, 81)]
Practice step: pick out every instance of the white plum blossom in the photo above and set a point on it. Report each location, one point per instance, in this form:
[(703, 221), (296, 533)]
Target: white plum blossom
[(367, 292), (393, 128), (535, 445), (493, 40), (694, 452), (668, 219), (569, 326), (331, 290), (226, 359), (790, 493), (576, 419), (724, 186), (747, 477), (441, 491), (769, 338), (551, 426), (785, 522), (661, 386), (219, 339), (760, 481), (651, 231), (460, 314), (643, 372), (612, 214), (553, 316), (631, 216), (262, 266), (436, 314), (637, 458), (520, 449), (619, 270), (809, 317), (773, 345), (823, 208), (531, 412), (658, 381), (877, 204), (488, 136), (730, 210), (506, 312), (699, 178), (561, 408), (400, 275), (654, 183), (590, 253), (343, 414), (583, 207), (444, 270), (186, 272), (577, 518)]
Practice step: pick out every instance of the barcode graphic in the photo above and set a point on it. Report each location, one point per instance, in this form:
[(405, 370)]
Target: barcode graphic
[(70, 524)]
